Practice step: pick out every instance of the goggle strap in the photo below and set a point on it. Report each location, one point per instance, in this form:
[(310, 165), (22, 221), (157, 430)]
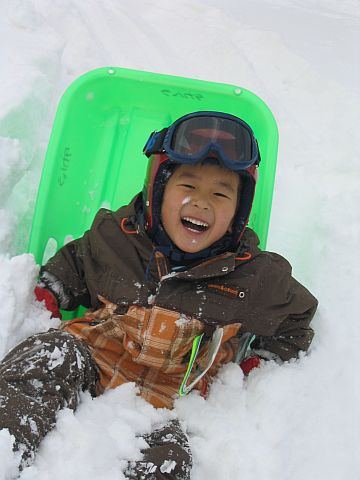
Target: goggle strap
[(155, 142), (258, 152)]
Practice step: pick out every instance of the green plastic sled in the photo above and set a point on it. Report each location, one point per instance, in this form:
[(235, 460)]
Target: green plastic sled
[(95, 158)]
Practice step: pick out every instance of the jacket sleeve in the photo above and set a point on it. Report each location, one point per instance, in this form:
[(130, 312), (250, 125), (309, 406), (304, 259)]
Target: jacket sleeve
[(64, 275), (293, 335), (283, 310)]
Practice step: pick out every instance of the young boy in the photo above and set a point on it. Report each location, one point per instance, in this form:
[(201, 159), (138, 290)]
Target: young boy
[(175, 285)]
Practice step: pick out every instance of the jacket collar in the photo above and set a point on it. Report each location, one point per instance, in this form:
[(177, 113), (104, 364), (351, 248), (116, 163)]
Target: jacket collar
[(214, 265)]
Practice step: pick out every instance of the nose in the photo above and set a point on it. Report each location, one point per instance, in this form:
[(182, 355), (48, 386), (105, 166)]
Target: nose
[(200, 201)]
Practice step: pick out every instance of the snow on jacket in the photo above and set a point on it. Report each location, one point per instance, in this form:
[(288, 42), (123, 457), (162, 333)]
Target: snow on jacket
[(143, 318)]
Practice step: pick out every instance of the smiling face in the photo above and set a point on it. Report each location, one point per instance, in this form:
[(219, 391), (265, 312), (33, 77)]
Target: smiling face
[(199, 205)]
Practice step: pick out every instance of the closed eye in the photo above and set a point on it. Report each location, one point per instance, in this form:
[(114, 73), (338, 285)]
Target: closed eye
[(219, 194), (186, 185)]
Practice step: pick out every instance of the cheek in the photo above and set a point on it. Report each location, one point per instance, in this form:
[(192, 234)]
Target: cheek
[(225, 224), (225, 218), (170, 207)]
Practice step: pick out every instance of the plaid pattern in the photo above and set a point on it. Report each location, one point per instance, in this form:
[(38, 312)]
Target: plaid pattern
[(148, 346)]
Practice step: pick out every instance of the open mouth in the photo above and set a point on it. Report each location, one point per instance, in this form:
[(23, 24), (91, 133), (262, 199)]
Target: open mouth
[(194, 224)]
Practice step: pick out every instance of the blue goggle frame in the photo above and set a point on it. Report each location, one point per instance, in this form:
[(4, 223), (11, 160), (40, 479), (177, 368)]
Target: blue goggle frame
[(248, 155)]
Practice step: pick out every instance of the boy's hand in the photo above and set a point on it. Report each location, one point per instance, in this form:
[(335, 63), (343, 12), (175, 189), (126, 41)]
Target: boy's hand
[(249, 364), (44, 295)]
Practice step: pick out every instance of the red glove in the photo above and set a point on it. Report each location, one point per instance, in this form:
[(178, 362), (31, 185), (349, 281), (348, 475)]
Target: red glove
[(249, 364), (44, 295)]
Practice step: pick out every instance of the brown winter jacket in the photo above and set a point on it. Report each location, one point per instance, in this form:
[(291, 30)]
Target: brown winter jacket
[(141, 327)]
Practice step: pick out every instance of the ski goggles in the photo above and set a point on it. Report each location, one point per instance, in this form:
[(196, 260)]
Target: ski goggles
[(200, 135)]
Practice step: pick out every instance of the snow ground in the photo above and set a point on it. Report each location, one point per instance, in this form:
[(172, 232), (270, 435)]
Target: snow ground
[(298, 421)]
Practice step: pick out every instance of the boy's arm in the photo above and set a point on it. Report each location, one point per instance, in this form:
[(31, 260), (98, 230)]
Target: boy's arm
[(64, 276), (281, 311), (293, 335)]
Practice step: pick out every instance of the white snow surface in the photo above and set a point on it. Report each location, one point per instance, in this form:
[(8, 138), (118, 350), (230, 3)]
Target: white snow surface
[(297, 421)]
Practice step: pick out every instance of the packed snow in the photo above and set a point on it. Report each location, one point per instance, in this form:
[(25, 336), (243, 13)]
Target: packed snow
[(297, 421)]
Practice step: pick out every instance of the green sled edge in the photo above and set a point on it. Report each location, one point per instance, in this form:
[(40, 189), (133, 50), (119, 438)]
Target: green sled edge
[(94, 157)]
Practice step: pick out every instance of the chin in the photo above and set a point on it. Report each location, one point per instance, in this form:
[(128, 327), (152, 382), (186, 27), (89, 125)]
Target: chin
[(191, 248)]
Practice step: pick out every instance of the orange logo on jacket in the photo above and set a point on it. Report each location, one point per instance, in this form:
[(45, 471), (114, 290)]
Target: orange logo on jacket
[(222, 288)]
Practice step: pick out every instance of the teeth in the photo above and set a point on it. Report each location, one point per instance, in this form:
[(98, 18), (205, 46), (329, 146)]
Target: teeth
[(196, 222)]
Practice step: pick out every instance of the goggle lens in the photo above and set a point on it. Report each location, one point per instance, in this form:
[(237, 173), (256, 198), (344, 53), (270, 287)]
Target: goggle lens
[(195, 135)]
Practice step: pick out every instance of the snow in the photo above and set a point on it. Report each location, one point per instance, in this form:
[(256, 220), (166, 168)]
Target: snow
[(96, 442), (9, 461), (167, 466), (56, 358), (297, 421), (19, 315)]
